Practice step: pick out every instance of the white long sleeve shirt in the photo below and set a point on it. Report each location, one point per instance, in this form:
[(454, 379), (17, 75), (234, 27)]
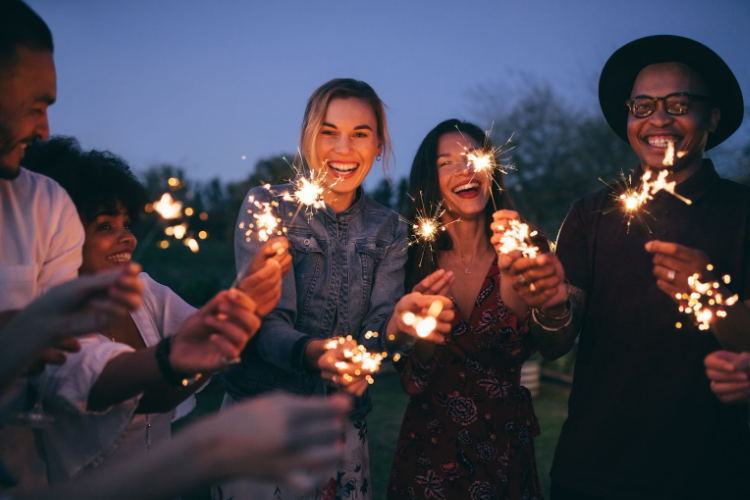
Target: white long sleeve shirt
[(80, 439)]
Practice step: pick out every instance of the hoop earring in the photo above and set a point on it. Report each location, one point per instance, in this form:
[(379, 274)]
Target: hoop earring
[(377, 158)]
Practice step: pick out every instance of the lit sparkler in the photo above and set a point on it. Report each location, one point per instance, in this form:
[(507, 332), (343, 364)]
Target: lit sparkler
[(705, 302), (632, 199), (307, 191), (357, 357), (424, 325), (518, 237), (167, 207), (427, 226), (486, 160), (266, 223), (669, 155)]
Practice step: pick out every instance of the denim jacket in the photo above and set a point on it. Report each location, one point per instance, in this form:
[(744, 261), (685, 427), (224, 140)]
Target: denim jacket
[(348, 274)]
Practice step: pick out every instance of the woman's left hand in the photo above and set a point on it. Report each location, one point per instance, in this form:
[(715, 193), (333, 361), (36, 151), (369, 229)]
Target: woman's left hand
[(419, 306), (437, 283), (540, 280)]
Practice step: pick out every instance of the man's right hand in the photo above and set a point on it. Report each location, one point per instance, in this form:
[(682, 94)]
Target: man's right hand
[(729, 375)]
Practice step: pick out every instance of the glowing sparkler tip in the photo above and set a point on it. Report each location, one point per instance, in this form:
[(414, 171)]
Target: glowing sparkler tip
[(167, 207), (426, 326)]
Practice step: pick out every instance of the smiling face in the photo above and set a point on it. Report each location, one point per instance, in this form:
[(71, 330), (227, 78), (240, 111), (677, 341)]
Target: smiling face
[(109, 242), (650, 136), (465, 192), (346, 147), (28, 86)]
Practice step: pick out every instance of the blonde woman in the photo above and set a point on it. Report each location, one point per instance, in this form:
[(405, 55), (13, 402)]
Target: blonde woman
[(348, 273)]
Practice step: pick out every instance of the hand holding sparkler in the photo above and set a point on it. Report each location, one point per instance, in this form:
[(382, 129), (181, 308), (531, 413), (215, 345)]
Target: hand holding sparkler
[(674, 264), (686, 276), (214, 333), (539, 281), (425, 317), (348, 365), (264, 275), (511, 238), (729, 373)]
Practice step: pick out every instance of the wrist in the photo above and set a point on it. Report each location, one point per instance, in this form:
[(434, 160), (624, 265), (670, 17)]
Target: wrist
[(557, 312), (549, 322), (166, 368), (313, 351)]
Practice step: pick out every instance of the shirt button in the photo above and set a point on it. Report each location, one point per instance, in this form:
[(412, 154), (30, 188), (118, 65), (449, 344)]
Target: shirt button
[(149, 424), (663, 232), (307, 242), (149, 447)]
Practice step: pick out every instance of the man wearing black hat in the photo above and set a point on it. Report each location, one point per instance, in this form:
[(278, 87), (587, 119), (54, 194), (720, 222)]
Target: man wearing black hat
[(643, 422)]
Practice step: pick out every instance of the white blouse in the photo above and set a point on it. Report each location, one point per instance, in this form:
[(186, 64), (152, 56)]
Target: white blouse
[(80, 439)]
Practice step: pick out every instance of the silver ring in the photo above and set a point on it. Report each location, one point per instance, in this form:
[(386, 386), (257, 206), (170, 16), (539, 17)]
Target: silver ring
[(671, 275), (522, 281)]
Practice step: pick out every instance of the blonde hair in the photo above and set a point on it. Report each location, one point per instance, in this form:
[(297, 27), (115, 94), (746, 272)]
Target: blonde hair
[(315, 114)]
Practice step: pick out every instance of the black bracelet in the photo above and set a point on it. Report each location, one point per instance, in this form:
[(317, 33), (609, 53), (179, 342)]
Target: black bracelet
[(173, 378)]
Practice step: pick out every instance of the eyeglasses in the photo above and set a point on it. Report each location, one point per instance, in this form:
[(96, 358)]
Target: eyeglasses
[(674, 104)]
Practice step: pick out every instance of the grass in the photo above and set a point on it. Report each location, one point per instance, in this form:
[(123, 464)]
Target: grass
[(385, 421)]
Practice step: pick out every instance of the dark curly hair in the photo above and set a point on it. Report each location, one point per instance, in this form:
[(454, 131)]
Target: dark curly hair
[(95, 180)]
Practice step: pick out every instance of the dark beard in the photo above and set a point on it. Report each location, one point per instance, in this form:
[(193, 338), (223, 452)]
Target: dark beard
[(7, 144)]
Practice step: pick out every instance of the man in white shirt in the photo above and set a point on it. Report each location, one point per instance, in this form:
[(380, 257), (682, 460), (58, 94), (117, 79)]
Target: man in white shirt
[(40, 233)]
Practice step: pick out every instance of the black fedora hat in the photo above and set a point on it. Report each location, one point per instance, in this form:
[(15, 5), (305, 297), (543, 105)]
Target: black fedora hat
[(618, 77)]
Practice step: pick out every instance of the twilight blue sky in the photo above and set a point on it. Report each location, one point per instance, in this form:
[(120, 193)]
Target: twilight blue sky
[(201, 83)]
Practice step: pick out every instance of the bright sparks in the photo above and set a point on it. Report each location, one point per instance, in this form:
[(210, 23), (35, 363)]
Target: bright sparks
[(167, 207), (518, 238), (192, 244), (266, 223), (427, 226), (633, 199), (358, 359), (705, 302), (424, 325), (669, 155)]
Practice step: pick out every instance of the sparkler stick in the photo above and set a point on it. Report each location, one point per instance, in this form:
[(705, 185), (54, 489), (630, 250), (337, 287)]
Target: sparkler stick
[(361, 360), (704, 301)]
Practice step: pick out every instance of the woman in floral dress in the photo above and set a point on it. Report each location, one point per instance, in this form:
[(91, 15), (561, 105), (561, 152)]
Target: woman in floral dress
[(469, 426)]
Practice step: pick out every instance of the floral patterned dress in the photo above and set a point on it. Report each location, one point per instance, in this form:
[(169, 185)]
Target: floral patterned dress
[(469, 426)]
